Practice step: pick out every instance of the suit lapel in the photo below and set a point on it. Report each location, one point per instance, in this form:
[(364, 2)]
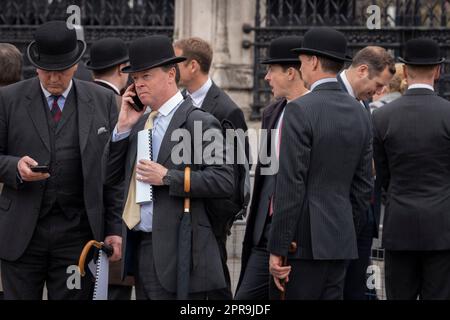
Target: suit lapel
[(85, 110), (37, 114), (178, 119), (210, 103), (275, 114)]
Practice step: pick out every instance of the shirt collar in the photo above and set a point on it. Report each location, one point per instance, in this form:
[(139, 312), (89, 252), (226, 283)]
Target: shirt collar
[(171, 104), (322, 81), (421, 86), (109, 84), (347, 84), (199, 95), (64, 94)]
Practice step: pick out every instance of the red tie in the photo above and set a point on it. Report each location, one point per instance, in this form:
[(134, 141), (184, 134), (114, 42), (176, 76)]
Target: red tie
[(56, 111), (278, 156)]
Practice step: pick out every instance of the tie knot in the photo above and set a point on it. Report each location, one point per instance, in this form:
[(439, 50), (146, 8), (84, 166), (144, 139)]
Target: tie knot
[(153, 114), (55, 98), (151, 118)]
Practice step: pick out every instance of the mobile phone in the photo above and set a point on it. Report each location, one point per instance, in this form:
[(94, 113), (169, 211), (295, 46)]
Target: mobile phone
[(40, 169), (137, 105)]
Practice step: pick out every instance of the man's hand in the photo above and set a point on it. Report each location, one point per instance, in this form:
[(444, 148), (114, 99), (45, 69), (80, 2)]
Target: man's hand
[(278, 271), (116, 243), (128, 116), (150, 172), (23, 167)]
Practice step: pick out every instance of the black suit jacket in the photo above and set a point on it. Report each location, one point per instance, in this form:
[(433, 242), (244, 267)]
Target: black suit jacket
[(220, 105), (412, 158), (207, 181), (269, 119), (24, 131), (375, 206), (324, 180)]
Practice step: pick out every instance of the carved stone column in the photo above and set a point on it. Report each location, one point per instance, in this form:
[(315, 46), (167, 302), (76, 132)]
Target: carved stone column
[(220, 23)]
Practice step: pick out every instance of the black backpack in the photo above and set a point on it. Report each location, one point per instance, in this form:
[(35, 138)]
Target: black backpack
[(223, 212)]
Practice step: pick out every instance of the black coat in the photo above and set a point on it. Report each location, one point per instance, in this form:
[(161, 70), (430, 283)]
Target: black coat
[(324, 180), (269, 119), (24, 131), (206, 181), (412, 158)]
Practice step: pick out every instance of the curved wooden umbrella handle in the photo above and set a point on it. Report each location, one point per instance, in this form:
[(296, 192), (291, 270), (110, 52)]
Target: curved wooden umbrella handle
[(84, 253)]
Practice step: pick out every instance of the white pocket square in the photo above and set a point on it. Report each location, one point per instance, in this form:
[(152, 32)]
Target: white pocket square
[(101, 130)]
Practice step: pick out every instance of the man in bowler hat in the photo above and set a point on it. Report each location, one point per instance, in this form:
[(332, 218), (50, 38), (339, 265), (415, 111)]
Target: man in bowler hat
[(411, 150), (283, 75), (64, 124), (152, 226), (324, 181), (205, 94), (107, 58)]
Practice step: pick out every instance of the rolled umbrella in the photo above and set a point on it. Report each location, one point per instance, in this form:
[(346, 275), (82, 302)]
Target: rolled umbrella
[(184, 243), (292, 249), (101, 269)]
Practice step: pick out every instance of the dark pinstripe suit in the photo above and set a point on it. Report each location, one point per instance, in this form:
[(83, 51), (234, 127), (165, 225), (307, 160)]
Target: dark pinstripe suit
[(323, 184), (412, 159)]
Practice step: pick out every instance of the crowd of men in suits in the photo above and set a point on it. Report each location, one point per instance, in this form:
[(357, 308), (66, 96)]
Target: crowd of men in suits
[(68, 162)]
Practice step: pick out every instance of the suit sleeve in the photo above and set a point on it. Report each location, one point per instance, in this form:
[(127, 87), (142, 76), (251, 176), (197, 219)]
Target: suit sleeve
[(211, 180), (113, 186), (8, 163), (295, 151), (380, 157), (362, 184)]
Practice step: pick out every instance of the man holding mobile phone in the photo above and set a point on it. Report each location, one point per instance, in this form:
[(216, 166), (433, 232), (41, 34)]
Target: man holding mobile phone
[(48, 216)]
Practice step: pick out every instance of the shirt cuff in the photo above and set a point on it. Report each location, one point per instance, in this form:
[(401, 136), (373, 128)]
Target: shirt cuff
[(120, 136)]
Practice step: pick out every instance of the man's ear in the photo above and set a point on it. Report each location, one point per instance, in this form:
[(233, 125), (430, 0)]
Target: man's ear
[(437, 72), (315, 63), (194, 66), (363, 71), (405, 72)]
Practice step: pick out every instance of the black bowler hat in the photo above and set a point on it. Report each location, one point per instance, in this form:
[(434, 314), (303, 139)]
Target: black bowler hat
[(151, 52), (107, 53), (55, 47), (326, 42), (280, 50), (422, 52)]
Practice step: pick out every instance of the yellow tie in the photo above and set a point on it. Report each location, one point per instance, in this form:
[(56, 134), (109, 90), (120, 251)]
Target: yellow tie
[(132, 211)]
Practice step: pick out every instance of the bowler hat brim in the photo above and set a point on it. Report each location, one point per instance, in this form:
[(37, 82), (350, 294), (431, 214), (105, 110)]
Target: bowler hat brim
[(55, 62), (331, 55), (153, 64), (426, 62), (280, 61), (106, 64)]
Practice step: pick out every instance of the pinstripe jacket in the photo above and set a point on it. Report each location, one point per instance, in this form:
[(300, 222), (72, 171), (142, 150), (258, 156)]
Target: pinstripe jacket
[(324, 181)]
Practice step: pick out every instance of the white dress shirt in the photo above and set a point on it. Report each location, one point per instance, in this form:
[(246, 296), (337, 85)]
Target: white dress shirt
[(199, 96)]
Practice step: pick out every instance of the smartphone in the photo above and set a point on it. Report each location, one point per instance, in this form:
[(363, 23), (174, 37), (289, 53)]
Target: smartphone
[(40, 169), (137, 105)]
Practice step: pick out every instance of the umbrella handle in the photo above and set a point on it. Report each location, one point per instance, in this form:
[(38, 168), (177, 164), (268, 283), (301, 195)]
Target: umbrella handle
[(99, 245), (187, 189)]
